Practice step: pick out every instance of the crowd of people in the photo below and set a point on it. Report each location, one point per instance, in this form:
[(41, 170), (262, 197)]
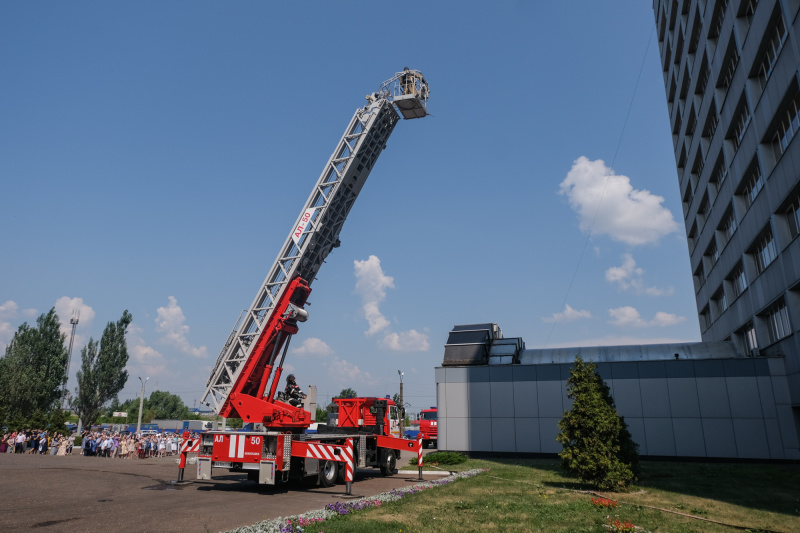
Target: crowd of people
[(37, 442), (93, 444)]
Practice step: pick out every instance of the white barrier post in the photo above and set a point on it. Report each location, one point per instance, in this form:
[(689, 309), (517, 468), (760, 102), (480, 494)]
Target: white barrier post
[(348, 473), (419, 457)]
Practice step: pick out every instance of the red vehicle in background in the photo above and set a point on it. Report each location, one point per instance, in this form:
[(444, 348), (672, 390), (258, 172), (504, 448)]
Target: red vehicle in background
[(428, 427)]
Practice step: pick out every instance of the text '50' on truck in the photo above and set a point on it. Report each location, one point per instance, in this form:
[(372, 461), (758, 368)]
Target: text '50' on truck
[(245, 379)]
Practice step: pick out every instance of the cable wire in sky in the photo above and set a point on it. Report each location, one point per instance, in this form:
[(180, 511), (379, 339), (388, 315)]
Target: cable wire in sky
[(602, 194)]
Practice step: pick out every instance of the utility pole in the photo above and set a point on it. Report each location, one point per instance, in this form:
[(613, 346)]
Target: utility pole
[(141, 405), (76, 315), (402, 408)]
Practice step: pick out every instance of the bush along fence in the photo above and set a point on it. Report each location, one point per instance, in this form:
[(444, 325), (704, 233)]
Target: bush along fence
[(295, 524)]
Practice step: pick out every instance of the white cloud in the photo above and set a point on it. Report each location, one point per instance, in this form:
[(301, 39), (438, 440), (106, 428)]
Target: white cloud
[(8, 310), (630, 277), (371, 285), (313, 347), (625, 214), (344, 373), (170, 323), (663, 319), (568, 315), (406, 341), (629, 317), (144, 359)]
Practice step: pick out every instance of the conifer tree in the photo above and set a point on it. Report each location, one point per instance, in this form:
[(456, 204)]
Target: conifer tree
[(597, 446)]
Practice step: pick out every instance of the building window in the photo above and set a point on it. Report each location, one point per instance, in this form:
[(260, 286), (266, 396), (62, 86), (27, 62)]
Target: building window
[(739, 124), (702, 79), (720, 301), (711, 123), (719, 173), (667, 56), (712, 252), (772, 48), (747, 9), (728, 226), (753, 184), (764, 251), (702, 211), (747, 335), (788, 125), (717, 19), (738, 280), (793, 217), (700, 274), (705, 318), (691, 122), (777, 319), (729, 66), (699, 163), (694, 39)]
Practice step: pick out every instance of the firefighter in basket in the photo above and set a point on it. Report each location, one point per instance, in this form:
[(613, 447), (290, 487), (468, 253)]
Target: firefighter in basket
[(292, 392)]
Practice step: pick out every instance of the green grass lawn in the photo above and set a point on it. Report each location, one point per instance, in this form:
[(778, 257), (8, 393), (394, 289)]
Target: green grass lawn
[(534, 495)]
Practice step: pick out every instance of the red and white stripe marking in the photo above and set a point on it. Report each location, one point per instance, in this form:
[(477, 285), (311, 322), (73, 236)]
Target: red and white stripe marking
[(419, 452), (322, 451), (348, 455), (189, 446)]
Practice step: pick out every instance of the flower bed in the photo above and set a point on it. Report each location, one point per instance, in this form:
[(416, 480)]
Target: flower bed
[(295, 524)]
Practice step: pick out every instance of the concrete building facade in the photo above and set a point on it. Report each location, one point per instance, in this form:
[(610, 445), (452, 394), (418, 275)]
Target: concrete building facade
[(732, 78)]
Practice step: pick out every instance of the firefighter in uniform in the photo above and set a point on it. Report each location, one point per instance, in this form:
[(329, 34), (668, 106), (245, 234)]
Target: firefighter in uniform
[(293, 392)]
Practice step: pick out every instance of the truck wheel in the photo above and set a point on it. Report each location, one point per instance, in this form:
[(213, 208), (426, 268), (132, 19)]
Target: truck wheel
[(328, 472), (425, 443), (391, 462)]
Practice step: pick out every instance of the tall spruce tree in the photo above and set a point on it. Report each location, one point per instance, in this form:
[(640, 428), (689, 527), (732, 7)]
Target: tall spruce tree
[(102, 374), (597, 446), (33, 370)]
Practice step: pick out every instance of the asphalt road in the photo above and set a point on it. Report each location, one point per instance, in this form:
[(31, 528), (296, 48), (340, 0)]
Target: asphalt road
[(75, 493)]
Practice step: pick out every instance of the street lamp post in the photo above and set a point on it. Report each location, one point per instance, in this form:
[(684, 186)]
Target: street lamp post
[(141, 405), (402, 407)]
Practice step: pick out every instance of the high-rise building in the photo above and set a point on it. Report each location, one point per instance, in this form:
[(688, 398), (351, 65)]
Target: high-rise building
[(731, 75)]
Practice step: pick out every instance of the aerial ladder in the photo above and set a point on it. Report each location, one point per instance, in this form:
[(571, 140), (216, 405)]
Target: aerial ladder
[(246, 376)]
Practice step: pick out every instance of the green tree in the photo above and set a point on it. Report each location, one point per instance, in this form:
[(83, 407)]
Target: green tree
[(597, 447), (33, 370), (102, 374), (347, 393), (166, 406)]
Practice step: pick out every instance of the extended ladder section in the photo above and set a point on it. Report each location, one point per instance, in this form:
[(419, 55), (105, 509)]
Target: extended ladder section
[(245, 363)]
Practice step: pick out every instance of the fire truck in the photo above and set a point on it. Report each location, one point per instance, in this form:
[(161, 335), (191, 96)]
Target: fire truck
[(428, 429), (246, 376)]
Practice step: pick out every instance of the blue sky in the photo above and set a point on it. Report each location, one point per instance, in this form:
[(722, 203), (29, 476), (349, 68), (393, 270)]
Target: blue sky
[(154, 156)]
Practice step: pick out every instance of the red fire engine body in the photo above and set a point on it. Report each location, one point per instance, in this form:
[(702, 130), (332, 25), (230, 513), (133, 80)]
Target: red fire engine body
[(428, 426), (246, 377)]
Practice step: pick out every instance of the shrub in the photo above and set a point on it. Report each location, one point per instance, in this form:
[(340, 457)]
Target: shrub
[(597, 447), (78, 441), (442, 458)]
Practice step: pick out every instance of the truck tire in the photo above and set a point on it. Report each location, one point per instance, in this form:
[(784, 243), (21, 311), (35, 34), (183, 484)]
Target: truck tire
[(328, 471), (389, 464)]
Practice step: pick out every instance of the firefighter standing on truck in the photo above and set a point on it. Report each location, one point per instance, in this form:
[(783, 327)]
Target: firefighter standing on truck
[(293, 392)]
